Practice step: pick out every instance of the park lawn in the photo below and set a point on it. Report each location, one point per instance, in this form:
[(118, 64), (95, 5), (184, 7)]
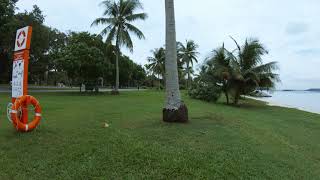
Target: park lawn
[(253, 141)]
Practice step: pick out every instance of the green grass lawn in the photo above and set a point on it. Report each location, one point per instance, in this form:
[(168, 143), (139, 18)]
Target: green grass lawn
[(251, 142)]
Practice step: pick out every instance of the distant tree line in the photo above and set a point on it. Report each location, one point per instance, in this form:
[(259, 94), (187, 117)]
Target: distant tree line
[(187, 55), (56, 57)]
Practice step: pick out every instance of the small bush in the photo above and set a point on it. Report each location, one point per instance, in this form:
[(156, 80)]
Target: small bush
[(205, 92)]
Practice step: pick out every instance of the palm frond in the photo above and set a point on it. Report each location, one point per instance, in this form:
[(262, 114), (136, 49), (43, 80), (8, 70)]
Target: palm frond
[(111, 35), (129, 6), (238, 46), (251, 53), (102, 21), (125, 40), (111, 8), (134, 17), (119, 15), (135, 30), (266, 68)]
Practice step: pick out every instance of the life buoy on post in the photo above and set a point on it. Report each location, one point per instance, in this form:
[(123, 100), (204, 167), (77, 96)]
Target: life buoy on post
[(19, 103)]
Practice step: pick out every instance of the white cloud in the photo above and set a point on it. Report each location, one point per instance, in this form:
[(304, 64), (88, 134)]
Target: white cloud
[(286, 27)]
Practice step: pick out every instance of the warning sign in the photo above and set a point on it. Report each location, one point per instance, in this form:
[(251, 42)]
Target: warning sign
[(17, 78), (23, 39)]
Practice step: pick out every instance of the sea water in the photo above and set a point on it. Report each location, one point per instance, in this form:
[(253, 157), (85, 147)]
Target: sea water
[(304, 100)]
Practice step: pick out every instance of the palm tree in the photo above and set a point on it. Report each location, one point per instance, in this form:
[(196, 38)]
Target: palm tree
[(248, 71), (157, 63), (188, 54), (175, 110), (118, 17), (218, 66)]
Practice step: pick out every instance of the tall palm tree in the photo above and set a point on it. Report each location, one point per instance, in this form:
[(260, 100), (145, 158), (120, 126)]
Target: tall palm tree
[(175, 110), (188, 54), (118, 17), (249, 73), (157, 63)]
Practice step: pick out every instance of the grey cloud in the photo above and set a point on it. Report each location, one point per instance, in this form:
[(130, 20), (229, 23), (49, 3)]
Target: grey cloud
[(310, 51), (297, 28), (209, 23)]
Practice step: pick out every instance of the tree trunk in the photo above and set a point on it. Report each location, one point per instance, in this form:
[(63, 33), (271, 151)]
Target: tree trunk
[(227, 96), (117, 71), (46, 75), (159, 82), (116, 88), (236, 99), (188, 71), (164, 78), (175, 110), (237, 96), (55, 77), (225, 90)]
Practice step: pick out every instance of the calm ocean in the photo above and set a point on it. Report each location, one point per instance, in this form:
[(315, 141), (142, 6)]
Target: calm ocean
[(304, 100)]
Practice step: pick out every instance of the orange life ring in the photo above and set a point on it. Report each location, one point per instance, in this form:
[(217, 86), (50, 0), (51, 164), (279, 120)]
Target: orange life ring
[(26, 100)]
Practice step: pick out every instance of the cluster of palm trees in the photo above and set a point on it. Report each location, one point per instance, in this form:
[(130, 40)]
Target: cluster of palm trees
[(187, 55), (241, 71), (118, 17)]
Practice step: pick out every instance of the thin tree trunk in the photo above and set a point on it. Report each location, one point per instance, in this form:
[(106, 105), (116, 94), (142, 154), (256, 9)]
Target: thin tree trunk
[(227, 96), (237, 96), (236, 99), (175, 110), (116, 89), (164, 78), (188, 81), (117, 71), (55, 77), (225, 90), (159, 82), (46, 75)]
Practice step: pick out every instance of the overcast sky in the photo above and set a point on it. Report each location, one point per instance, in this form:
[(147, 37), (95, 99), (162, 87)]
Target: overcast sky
[(290, 29)]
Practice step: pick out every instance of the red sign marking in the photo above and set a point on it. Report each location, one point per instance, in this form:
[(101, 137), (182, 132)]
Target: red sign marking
[(21, 38)]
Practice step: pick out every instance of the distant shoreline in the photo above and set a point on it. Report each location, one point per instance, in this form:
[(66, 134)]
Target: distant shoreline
[(277, 104), (309, 90)]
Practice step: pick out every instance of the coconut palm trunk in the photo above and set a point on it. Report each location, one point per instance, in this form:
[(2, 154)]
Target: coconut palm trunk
[(225, 90), (188, 81), (116, 89), (175, 110), (159, 82)]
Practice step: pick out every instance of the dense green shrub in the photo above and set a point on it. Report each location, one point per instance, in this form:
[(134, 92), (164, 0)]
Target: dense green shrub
[(206, 92)]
